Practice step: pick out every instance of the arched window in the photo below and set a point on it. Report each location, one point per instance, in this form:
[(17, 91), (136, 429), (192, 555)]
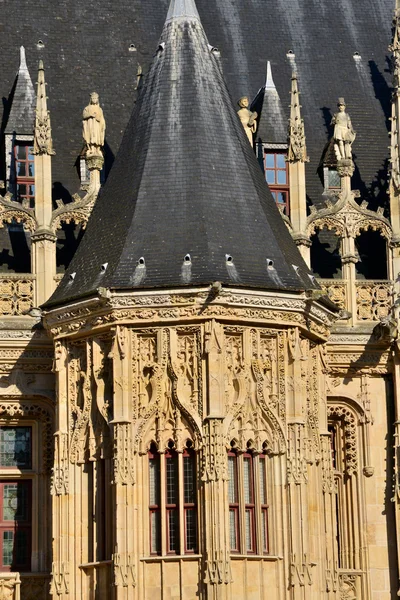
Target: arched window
[(172, 500), (248, 503)]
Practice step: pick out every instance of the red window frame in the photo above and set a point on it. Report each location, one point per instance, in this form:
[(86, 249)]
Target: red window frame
[(155, 507), (264, 502), (27, 179), (16, 526), (189, 499), (172, 501), (234, 502), (273, 174)]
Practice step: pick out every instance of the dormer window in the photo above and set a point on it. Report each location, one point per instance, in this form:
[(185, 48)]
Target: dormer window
[(277, 177), (331, 179), (24, 161)]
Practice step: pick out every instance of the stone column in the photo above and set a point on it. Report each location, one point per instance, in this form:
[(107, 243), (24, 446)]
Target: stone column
[(216, 565), (124, 566), (297, 157), (44, 239)]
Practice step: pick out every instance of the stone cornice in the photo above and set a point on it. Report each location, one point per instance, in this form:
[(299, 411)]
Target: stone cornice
[(182, 306)]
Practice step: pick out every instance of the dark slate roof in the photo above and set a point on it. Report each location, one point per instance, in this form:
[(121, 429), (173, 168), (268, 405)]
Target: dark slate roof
[(273, 122), (22, 113), (186, 203), (86, 47)]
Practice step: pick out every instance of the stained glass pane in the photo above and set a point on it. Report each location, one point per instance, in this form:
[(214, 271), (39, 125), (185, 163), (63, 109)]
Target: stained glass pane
[(189, 480), (15, 447), (263, 486), (155, 535), (8, 546), (270, 161), (248, 488), (172, 479), (232, 530), (173, 531), (280, 161), (232, 488), (15, 502), (154, 480), (191, 537), (249, 530)]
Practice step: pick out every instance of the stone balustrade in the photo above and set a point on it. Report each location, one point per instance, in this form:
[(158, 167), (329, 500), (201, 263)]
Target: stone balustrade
[(373, 299), (16, 293)]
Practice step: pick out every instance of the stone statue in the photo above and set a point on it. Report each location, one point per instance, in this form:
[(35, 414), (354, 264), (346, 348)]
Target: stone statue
[(343, 135), (94, 126), (247, 118)]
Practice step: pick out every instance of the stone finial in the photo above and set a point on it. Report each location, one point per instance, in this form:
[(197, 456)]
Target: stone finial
[(247, 118), (297, 139), (94, 127), (43, 143), (344, 134)]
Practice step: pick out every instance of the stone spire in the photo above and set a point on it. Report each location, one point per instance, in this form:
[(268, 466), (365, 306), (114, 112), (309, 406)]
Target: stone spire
[(22, 114), (43, 143), (297, 138), (272, 127), (166, 214), (182, 9)]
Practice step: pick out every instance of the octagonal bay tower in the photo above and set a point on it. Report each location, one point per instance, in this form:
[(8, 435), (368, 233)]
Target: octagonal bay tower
[(191, 440)]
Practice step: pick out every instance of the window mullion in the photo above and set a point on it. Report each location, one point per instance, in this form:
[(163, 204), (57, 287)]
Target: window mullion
[(182, 528), (164, 518)]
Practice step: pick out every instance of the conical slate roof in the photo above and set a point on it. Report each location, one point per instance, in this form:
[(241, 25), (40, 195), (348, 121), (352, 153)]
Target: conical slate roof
[(185, 203), (22, 114)]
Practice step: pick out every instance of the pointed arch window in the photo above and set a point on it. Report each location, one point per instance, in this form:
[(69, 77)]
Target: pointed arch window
[(172, 500), (248, 503)]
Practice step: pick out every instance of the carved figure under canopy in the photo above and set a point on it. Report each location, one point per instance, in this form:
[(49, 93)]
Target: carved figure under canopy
[(247, 118), (94, 125), (344, 134)]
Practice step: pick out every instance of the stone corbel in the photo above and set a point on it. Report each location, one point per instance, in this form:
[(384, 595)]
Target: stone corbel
[(218, 569)]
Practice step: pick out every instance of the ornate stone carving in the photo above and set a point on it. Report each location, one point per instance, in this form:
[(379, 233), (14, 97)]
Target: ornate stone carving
[(347, 417), (124, 569), (43, 143), (9, 587), (297, 471), (300, 571), (215, 461), (123, 457), (59, 578), (297, 139), (347, 586), (60, 471), (343, 134), (374, 300), (16, 294), (247, 118), (218, 568), (81, 404), (336, 290)]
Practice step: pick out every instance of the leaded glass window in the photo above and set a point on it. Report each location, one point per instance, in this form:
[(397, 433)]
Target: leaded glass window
[(15, 525), (16, 447)]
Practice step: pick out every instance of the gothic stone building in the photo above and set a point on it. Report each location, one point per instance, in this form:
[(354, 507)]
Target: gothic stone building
[(199, 356)]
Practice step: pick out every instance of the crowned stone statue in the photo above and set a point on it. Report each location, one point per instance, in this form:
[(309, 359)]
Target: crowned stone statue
[(94, 126)]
